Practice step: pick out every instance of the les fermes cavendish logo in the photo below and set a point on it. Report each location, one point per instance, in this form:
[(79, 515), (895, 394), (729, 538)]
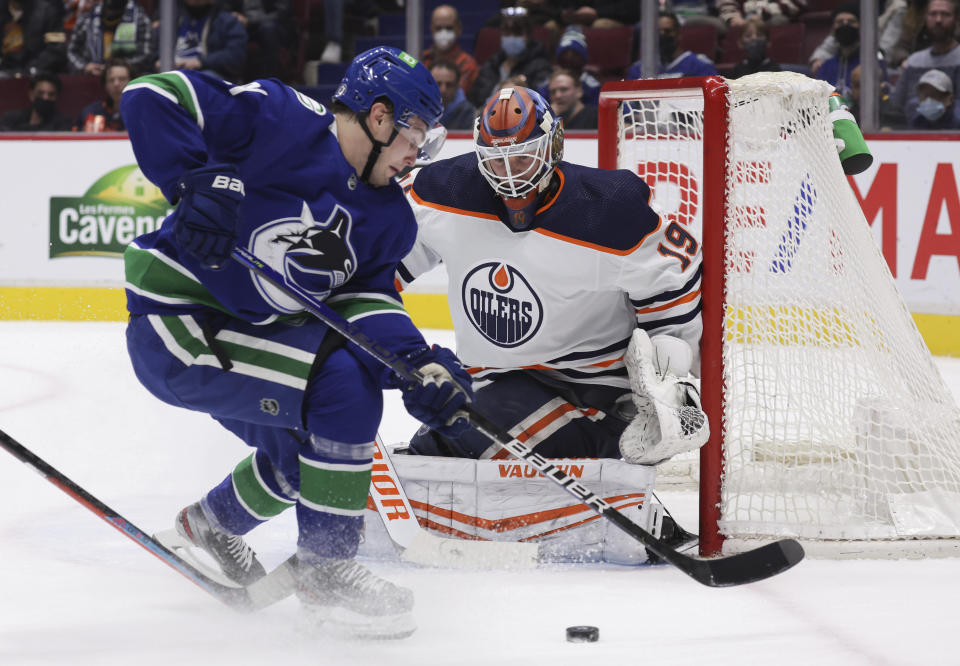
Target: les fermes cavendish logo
[(117, 208)]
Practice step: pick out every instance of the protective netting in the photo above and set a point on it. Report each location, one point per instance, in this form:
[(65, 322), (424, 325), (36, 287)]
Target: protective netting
[(837, 424)]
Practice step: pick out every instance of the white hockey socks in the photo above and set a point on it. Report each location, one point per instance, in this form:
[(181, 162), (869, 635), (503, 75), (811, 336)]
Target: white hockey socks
[(669, 419)]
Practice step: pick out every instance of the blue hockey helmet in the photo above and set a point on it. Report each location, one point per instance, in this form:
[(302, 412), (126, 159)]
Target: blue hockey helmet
[(386, 71)]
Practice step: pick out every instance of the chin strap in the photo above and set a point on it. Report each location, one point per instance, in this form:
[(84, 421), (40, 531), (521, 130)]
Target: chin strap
[(375, 150)]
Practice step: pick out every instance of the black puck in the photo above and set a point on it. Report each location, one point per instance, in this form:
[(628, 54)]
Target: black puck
[(583, 634)]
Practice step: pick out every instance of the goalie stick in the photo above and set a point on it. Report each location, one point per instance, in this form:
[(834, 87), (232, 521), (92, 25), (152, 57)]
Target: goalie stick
[(419, 546), (273, 587), (746, 567)]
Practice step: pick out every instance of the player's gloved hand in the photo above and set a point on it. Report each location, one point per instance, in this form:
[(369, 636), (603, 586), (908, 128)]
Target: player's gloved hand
[(205, 222), (445, 391)]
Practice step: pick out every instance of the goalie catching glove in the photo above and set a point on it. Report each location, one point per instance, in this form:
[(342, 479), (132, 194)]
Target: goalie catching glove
[(205, 222), (669, 419), (445, 390)]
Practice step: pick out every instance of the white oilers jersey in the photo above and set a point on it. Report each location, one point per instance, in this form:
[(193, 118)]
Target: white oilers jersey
[(565, 295)]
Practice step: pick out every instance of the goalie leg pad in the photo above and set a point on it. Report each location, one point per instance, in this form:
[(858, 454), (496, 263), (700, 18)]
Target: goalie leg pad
[(669, 419)]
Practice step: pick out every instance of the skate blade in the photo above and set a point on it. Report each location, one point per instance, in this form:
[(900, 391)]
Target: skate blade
[(187, 551), (338, 622)]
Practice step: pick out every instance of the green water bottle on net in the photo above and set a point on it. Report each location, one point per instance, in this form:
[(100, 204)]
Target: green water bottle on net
[(854, 154)]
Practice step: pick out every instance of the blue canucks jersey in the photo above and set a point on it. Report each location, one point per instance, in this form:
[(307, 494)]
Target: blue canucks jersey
[(301, 194)]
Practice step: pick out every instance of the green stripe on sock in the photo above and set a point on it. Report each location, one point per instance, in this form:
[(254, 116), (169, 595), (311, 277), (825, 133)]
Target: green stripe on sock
[(257, 498), (334, 488)]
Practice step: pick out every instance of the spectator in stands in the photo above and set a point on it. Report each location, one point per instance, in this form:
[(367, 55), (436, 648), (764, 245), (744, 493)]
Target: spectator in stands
[(753, 41), (112, 29), (935, 108), (772, 12), (516, 80), (674, 62), (890, 25), (73, 10), (600, 13), (333, 11), (458, 112), (42, 115), (542, 14), (846, 31), (943, 54), (269, 25), (209, 39), (446, 29), (334, 21), (566, 100), (103, 115), (893, 27), (912, 35), (853, 101), (698, 12), (32, 38), (572, 56), (519, 55)]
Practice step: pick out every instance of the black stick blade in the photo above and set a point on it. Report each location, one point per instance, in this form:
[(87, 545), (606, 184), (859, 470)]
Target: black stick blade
[(747, 567)]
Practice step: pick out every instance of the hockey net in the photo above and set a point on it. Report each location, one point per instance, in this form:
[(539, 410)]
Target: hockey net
[(829, 419)]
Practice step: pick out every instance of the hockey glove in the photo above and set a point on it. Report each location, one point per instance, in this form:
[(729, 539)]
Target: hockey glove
[(446, 388), (669, 419), (205, 222)]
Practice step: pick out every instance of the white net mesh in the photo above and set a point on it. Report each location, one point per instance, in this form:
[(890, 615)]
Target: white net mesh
[(837, 424)]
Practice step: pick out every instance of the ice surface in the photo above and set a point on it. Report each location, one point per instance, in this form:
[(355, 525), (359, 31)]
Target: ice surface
[(75, 592)]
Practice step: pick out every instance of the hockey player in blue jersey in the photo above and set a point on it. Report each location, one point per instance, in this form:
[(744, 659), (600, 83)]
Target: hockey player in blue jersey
[(575, 306), (310, 190)]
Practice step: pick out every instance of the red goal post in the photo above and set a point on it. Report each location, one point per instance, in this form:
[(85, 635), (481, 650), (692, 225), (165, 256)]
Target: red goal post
[(829, 420)]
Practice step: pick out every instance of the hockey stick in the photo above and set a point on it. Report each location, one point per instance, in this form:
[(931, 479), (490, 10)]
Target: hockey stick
[(746, 567), (419, 546), (273, 587)]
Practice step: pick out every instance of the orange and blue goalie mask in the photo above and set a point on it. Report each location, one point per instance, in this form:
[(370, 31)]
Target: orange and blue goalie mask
[(518, 142)]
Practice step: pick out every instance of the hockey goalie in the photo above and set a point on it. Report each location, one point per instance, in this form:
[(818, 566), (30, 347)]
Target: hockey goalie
[(577, 309)]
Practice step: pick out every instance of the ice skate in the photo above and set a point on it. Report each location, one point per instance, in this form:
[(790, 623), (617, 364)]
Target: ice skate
[(238, 564), (348, 600)]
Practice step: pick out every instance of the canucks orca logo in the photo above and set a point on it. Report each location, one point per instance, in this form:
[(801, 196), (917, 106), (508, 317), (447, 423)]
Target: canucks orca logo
[(501, 304), (316, 256)]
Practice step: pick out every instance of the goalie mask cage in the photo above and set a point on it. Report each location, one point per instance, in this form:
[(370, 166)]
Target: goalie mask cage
[(829, 420)]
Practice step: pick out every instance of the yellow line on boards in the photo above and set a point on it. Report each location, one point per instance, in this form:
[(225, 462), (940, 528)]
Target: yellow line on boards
[(109, 304), (941, 332)]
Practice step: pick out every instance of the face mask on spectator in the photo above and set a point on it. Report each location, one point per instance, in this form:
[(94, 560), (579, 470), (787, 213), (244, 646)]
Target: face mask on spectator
[(847, 35), (45, 108), (513, 45), (443, 39), (931, 109), (756, 48), (667, 46)]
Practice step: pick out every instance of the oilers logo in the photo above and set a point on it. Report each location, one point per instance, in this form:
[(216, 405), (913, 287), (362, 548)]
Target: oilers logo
[(501, 304)]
